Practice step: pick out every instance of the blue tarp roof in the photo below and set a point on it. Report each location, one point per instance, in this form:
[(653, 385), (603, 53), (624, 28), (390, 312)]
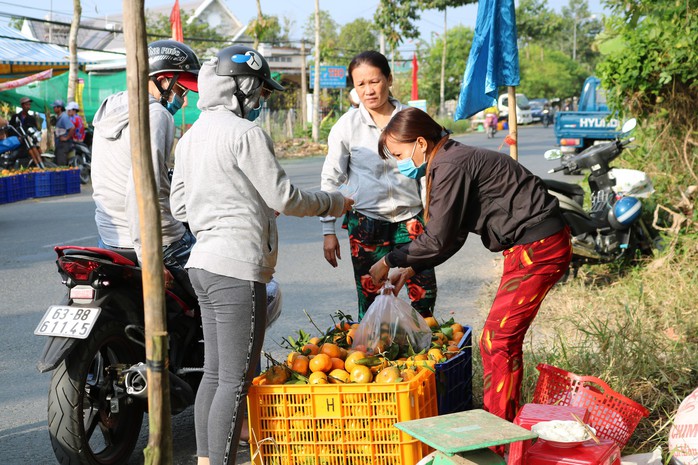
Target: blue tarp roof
[(16, 49)]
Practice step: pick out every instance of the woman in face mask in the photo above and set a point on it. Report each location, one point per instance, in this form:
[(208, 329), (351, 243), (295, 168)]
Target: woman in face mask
[(388, 206), (474, 190), (228, 185)]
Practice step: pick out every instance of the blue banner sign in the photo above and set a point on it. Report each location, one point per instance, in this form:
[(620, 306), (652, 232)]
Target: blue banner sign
[(331, 77)]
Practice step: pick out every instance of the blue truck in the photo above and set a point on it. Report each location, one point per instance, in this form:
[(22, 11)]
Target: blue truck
[(590, 124)]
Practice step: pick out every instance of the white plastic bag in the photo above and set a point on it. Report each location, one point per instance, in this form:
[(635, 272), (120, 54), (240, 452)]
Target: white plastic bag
[(391, 325)]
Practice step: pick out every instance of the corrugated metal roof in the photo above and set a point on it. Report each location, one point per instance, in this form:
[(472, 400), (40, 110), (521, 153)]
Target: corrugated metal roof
[(16, 49)]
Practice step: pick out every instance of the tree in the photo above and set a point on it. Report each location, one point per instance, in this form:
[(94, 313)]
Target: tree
[(73, 50), (358, 36), (395, 19), (536, 23), (443, 5), (264, 28), (554, 75), (328, 35), (202, 38), (459, 39), (581, 29)]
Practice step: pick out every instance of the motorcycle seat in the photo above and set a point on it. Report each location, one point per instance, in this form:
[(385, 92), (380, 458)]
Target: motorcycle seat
[(570, 190)]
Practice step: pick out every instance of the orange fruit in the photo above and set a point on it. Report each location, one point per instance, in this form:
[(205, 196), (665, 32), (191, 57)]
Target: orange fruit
[(421, 357), (310, 349), (317, 378), (343, 326), (332, 350), (388, 375), (431, 322), (343, 354), (408, 374), (439, 338), (314, 340), (361, 374), (301, 364), (291, 357), (321, 362), (338, 376), (435, 354), (457, 336), (277, 374), (359, 348), (337, 363), (355, 326), (350, 362), (457, 328)]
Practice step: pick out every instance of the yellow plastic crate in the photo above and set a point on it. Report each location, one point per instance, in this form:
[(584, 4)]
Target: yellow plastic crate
[(339, 424)]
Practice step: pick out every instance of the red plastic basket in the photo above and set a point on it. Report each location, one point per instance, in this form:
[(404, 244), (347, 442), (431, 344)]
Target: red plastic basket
[(613, 415)]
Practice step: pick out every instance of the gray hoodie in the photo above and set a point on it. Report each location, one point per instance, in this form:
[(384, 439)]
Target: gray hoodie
[(114, 193), (227, 185)]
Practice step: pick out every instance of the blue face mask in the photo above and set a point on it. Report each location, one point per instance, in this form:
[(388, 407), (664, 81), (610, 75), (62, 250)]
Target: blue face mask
[(176, 103), (254, 113), (408, 168)]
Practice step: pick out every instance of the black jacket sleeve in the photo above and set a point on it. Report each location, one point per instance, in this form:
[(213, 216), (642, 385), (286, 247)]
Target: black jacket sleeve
[(445, 232)]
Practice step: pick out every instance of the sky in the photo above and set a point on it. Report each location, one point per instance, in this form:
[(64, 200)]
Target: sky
[(431, 22)]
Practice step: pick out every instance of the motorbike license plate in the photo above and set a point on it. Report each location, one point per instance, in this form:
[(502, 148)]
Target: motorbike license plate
[(66, 321)]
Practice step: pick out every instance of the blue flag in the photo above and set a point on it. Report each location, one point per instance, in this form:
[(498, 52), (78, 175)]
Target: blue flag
[(493, 60)]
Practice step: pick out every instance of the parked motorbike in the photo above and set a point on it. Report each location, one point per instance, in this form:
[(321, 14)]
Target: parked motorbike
[(96, 350), (17, 155), (613, 230), (81, 158), (491, 125)]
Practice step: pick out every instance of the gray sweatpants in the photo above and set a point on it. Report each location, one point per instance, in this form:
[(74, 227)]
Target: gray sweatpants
[(233, 313)]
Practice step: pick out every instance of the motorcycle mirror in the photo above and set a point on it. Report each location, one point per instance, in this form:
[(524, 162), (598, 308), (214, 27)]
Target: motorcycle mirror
[(553, 154), (629, 126)]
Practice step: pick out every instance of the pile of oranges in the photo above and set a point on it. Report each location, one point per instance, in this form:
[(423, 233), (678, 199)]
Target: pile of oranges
[(331, 359)]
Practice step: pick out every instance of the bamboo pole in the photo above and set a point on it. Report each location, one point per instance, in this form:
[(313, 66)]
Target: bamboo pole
[(159, 449), (513, 127)]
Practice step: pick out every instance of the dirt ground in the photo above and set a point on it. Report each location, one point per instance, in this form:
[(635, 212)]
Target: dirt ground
[(296, 148)]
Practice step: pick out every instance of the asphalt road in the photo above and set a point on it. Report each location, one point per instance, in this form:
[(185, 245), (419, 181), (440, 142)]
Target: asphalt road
[(29, 283)]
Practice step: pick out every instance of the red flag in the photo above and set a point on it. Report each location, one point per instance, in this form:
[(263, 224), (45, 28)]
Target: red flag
[(415, 68), (176, 22)]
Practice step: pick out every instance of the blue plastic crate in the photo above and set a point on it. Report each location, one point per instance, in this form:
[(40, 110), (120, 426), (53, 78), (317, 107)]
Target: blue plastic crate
[(454, 378), (72, 181), (42, 184), (58, 182), (3, 190), (15, 189), (29, 185)]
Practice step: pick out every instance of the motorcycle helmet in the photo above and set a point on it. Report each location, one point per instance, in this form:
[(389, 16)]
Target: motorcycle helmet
[(240, 60), (173, 60), (625, 212)]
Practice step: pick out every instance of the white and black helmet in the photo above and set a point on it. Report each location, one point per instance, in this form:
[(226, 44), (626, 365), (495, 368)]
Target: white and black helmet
[(173, 60)]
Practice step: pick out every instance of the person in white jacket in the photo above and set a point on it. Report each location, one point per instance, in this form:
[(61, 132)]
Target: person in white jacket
[(173, 69), (388, 208), (228, 185)]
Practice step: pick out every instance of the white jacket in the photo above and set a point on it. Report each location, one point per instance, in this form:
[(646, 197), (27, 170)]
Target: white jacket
[(382, 192)]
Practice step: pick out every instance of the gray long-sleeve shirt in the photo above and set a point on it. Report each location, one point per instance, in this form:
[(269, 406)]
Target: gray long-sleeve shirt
[(227, 185), (114, 193)]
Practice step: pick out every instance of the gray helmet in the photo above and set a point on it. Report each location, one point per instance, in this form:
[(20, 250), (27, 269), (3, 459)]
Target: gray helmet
[(240, 60)]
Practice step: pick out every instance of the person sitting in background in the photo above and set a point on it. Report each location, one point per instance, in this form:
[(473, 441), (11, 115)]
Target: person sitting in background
[(64, 133), (26, 121), (72, 109)]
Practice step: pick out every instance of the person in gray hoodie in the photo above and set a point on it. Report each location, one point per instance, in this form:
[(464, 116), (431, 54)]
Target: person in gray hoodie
[(173, 72), (228, 185)]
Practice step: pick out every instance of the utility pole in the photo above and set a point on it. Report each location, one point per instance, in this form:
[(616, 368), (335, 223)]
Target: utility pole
[(73, 50), (304, 86), (316, 89)]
